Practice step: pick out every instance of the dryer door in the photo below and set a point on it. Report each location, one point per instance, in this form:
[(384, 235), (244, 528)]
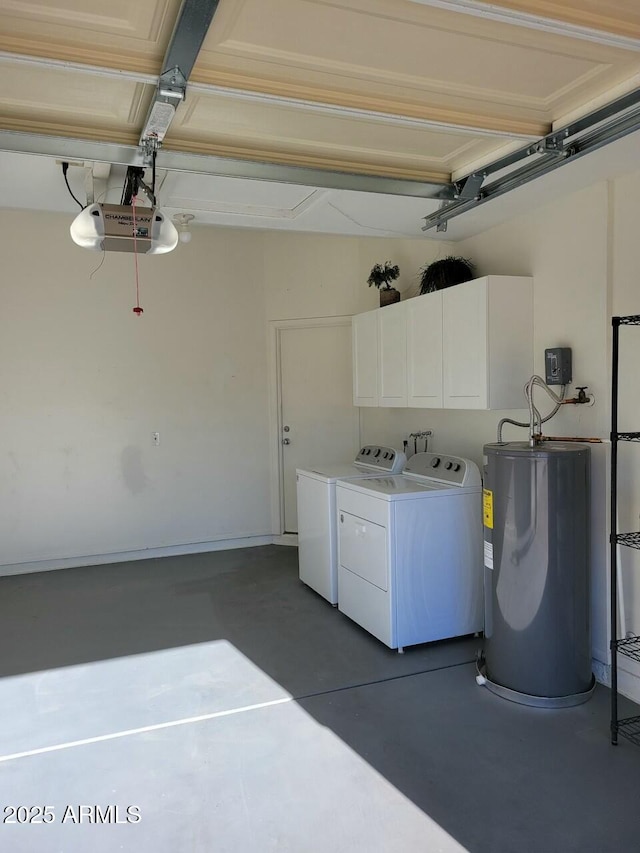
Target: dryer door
[(363, 549)]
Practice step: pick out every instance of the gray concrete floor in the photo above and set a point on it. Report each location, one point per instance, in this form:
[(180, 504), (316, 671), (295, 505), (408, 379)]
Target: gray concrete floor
[(239, 712)]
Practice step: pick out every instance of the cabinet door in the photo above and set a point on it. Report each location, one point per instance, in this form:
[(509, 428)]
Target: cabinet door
[(365, 359), (510, 339), (392, 354), (424, 351), (464, 328)]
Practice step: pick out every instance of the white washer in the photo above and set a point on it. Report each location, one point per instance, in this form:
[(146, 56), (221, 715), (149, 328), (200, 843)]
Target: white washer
[(410, 567), (316, 495)]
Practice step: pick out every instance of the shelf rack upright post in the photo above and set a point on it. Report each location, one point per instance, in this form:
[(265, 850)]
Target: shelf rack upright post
[(630, 646)]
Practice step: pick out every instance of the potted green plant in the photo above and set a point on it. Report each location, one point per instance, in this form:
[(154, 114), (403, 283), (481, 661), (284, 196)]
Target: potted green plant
[(445, 272), (381, 277)]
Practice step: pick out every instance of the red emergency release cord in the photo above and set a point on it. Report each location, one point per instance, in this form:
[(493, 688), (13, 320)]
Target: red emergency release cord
[(137, 310)]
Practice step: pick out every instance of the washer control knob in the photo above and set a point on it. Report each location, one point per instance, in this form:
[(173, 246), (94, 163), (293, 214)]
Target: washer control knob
[(449, 465), (363, 451), (435, 461), (456, 466), (377, 453)]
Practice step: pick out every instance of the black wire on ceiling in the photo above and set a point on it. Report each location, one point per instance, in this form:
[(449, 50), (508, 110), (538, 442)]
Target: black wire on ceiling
[(134, 180), (130, 187), (65, 167)]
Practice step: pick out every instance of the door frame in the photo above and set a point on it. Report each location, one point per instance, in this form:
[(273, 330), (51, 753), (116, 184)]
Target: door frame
[(276, 327)]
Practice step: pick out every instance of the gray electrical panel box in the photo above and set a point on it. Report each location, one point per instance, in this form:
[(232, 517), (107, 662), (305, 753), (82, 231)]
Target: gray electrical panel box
[(557, 365)]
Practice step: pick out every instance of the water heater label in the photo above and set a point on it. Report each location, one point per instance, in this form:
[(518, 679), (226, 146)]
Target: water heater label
[(488, 555), (487, 508)]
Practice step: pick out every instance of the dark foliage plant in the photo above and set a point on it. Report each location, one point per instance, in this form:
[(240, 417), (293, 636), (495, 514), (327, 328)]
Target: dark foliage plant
[(382, 275), (445, 273)]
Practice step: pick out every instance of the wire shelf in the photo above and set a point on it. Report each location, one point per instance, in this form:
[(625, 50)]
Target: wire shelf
[(631, 540), (630, 647), (630, 728)]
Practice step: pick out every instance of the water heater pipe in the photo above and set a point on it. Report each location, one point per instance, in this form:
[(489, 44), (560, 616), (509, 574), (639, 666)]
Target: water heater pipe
[(531, 384), (534, 414), (568, 438)]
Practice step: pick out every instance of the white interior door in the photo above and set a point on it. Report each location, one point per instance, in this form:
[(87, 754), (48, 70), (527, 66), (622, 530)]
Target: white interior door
[(319, 422)]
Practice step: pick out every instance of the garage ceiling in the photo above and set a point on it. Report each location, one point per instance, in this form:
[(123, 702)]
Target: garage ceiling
[(416, 90)]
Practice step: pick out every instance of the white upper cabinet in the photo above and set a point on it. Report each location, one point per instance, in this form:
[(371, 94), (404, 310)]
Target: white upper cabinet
[(365, 359), (464, 323), (487, 330), (466, 347), (392, 355), (424, 351)]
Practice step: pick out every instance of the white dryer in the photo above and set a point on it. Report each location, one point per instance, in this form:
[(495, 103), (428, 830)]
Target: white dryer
[(316, 496), (410, 558)]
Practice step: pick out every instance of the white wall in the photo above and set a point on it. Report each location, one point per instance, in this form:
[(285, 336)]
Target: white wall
[(84, 383), (321, 275)]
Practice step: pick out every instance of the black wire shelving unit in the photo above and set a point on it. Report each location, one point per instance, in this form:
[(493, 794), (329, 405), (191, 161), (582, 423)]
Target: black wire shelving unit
[(628, 727)]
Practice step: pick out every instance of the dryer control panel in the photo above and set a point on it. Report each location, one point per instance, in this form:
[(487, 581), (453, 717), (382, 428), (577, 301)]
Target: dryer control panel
[(452, 470), (380, 458)]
